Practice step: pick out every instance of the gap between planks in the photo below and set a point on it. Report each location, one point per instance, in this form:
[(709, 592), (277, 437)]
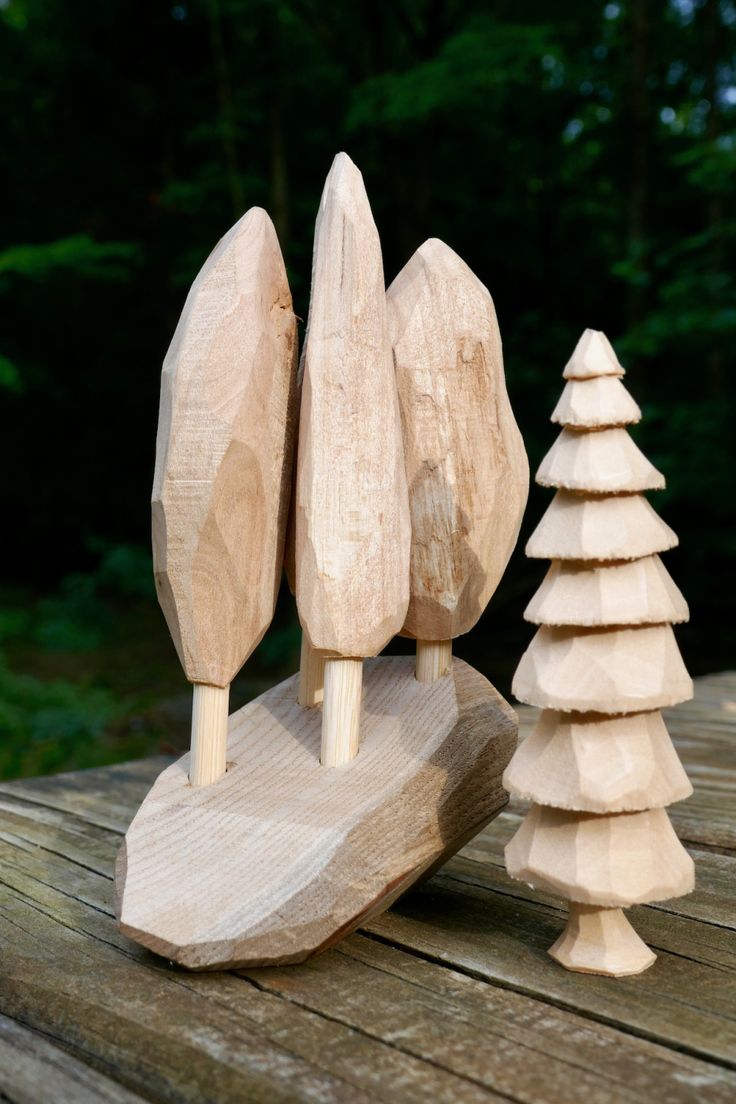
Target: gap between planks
[(195, 984), (457, 967), (555, 1002)]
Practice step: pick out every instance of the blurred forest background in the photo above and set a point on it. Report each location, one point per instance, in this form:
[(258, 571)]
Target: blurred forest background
[(580, 156)]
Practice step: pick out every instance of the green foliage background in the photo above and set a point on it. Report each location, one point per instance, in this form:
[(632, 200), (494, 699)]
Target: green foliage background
[(580, 155)]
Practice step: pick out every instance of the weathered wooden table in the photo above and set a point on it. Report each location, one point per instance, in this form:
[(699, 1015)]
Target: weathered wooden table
[(450, 996)]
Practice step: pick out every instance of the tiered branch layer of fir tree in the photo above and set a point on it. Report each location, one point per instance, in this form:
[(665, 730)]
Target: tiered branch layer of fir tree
[(600, 766)]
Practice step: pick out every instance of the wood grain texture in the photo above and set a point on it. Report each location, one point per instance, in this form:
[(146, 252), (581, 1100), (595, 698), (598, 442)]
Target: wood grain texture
[(635, 592), (609, 527), (210, 707), (310, 853), (592, 403), (603, 462), (32, 1069), (342, 693), (606, 670), (598, 764), (223, 453), (352, 506), (465, 461), (453, 996), (311, 689), (434, 659)]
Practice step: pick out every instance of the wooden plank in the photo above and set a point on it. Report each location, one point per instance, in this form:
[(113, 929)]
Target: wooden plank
[(451, 998), (506, 1041), (383, 1022), (177, 1036), (30, 1064), (680, 1002), (107, 796)]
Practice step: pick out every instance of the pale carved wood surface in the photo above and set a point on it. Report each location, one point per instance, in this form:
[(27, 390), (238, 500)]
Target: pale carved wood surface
[(602, 401), (466, 466), (601, 857), (605, 461), (224, 453), (561, 763), (449, 996), (603, 670), (280, 856), (634, 592), (352, 524), (604, 528)]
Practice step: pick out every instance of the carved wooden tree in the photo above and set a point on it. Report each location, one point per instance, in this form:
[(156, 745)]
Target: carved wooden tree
[(599, 766), (466, 466), (352, 526)]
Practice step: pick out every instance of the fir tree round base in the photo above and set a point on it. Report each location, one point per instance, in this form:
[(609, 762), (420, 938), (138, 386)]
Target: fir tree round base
[(601, 941)]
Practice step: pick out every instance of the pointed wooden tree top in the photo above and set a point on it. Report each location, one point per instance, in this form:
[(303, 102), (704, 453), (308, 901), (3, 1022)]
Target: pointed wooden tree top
[(592, 403), (465, 461), (608, 670), (352, 505), (604, 461), (637, 592), (593, 356), (613, 861), (608, 528), (223, 453), (598, 764)]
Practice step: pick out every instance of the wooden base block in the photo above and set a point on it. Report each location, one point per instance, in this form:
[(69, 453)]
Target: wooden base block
[(601, 941), (281, 857)]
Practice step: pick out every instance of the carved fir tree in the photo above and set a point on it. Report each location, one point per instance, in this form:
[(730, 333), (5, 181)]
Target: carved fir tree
[(599, 766)]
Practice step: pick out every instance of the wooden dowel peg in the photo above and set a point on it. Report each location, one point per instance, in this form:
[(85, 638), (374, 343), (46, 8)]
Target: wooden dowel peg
[(311, 676), (341, 711), (209, 733), (601, 941), (434, 659)]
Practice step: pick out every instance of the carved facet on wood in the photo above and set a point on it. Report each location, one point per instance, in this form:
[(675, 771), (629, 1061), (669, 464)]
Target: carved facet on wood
[(593, 357), (280, 857), (591, 403), (600, 766), (634, 592), (604, 462), (606, 527), (223, 469), (601, 941), (611, 861), (223, 453), (466, 466), (352, 506), (605, 670)]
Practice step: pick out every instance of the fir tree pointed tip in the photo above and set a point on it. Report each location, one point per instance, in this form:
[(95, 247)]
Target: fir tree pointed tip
[(593, 356)]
